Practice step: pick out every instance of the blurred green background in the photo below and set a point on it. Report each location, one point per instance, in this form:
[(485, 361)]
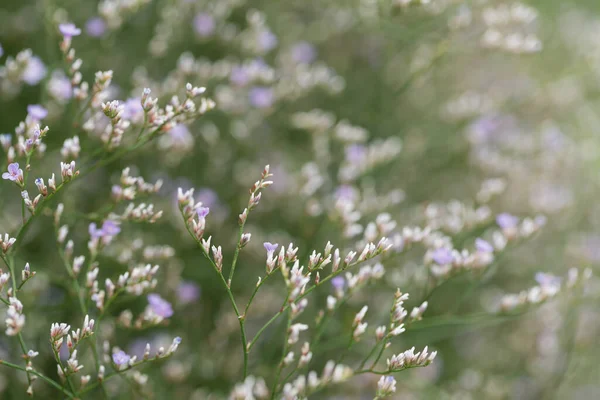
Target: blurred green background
[(465, 108)]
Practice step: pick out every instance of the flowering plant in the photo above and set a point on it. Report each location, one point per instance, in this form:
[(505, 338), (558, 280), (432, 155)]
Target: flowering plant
[(337, 273)]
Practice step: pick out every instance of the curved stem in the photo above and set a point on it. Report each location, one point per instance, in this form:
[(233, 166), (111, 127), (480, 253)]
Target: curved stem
[(52, 382)]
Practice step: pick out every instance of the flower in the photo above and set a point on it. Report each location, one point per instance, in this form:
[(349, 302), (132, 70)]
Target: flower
[(133, 110), (338, 283), (14, 173), (160, 306), (202, 212), (204, 24), (37, 112), (303, 53), (356, 153), (95, 27), (442, 256), (261, 97), (109, 229), (547, 280), (386, 386), (267, 40), (69, 30), (507, 221), (59, 86), (239, 76), (34, 72), (483, 246), (270, 247), (120, 357), (207, 196), (188, 292)]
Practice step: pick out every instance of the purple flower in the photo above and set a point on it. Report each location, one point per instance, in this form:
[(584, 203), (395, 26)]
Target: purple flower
[(261, 97), (356, 153), (160, 306), (270, 247), (267, 40), (120, 357), (208, 196), (108, 230), (95, 27), (338, 283), (442, 256), (507, 221), (138, 347), (204, 24), (188, 292), (34, 72), (239, 76), (483, 246), (346, 192), (14, 173), (202, 212), (1, 51), (60, 86), (133, 110), (37, 112), (69, 30), (547, 280), (303, 53), (180, 133)]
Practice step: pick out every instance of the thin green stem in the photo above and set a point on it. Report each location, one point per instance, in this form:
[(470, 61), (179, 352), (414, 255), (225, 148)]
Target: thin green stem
[(373, 350), (52, 382), (280, 366), (64, 372), (238, 247), (143, 126), (286, 305), (256, 289), (240, 317)]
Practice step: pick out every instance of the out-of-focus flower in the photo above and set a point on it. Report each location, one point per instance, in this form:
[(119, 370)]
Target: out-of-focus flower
[(261, 97), (442, 256), (483, 246), (34, 72), (303, 53), (133, 110), (160, 306), (120, 358), (188, 292), (338, 283), (59, 86), (95, 27), (109, 229), (37, 112), (204, 24), (507, 221), (69, 30), (267, 40), (239, 76)]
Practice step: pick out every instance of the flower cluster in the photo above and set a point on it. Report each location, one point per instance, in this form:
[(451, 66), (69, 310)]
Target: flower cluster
[(378, 167)]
